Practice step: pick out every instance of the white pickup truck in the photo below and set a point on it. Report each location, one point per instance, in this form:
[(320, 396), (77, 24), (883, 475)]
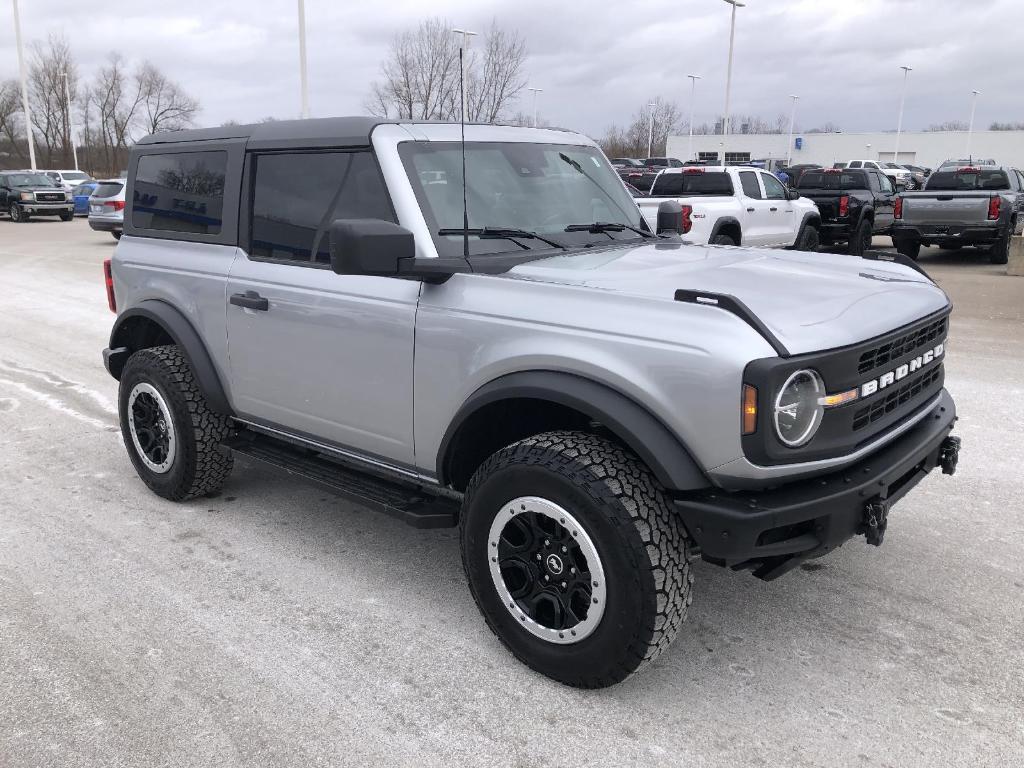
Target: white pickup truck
[(733, 206)]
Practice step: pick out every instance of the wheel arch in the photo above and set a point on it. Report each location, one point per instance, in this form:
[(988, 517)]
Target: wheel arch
[(152, 323), (519, 405), (728, 225)]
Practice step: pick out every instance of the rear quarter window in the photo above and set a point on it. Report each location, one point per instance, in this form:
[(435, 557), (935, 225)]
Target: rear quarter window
[(180, 192)]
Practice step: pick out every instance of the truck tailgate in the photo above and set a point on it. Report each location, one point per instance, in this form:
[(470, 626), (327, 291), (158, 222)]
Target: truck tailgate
[(945, 207)]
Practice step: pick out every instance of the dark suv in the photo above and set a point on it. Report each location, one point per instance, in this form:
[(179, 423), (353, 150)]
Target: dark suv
[(24, 194)]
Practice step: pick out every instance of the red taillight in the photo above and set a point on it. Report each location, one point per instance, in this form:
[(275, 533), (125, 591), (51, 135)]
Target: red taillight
[(116, 205), (833, 170), (108, 279), (994, 203), (844, 205), (966, 169), (687, 222), (897, 208)]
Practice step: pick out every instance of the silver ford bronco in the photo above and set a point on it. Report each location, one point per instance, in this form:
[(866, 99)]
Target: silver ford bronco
[(485, 332)]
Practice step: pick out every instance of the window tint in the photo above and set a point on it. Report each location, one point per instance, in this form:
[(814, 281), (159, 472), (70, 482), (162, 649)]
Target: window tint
[(296, 196), (876, 185), (108, 189), (748, 180), (886, 182), (180, 192), (855, 164), (773, 189), (832, 179), (967, 180), (700, 183)]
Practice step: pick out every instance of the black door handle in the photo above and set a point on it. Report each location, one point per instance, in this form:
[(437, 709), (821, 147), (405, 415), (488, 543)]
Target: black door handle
[(773, 209), (750, 210), (250, 300)]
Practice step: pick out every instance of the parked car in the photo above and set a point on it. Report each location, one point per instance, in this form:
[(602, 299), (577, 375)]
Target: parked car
[(967, 162), (981, 206), (899, 175), (854, 204), (24, 194), (106, 207), (796, 171), (80, 195), (68, 180), (734, 206), (626, 162), (663, 162), (593, 405)]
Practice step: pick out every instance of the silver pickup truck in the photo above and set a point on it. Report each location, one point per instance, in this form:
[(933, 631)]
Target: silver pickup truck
[(487, 334), (978, 206)]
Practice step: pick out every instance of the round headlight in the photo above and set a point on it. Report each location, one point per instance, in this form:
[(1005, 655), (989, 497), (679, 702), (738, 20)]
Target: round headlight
[(797, 408)]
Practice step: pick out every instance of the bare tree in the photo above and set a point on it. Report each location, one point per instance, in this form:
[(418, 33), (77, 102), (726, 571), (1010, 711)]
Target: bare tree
[(1011, 126), (48, 66), (420, 76), (632, 140), (165, 106), (825, 128), (115, 98), (12, 134)]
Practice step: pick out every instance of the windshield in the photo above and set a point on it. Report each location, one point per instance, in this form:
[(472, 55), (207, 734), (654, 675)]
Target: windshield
[(29, 180), (691, 184), (967, 180), (820, 180), (536, 188)]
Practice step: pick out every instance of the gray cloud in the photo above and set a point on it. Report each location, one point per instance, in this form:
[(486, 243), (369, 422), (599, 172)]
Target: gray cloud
[(597, 60)]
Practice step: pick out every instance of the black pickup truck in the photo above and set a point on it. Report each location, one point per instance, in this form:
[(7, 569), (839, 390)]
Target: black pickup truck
[(855, 204)]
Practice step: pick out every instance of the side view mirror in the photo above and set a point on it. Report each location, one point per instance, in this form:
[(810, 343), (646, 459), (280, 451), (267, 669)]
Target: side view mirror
[(792, 194), (901, 187), (670, 217), (383, 249)]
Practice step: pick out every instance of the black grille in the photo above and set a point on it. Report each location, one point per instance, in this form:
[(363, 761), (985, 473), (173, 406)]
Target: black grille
[(899, 347), (896, 398), (49, 197)]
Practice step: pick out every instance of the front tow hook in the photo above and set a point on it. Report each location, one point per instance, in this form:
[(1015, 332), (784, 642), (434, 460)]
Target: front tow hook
[(949, 454), (876, 520)]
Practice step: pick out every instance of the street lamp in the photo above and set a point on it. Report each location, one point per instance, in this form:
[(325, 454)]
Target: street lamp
[(970, 125), (535, 92), (466, 34), (693, 92), (899, 123), (792, 117), (71, 125), (728, 73), (650, 127), (24, 88), (303, 80)]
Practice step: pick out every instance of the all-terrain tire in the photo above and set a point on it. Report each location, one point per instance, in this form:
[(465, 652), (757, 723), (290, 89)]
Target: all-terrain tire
[(808, 240), (999, 251), (200, 462), (861, 240), (638, 536), (722, 240), (909, 248), (17, 215)]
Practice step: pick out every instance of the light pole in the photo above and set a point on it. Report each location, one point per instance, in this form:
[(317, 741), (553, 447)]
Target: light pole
[(789, 141), (303, 80), (466, 34), (728, 75), (24, 88), (650, 127), (71, 125), (693, 95), (535, 92), (899, 123), (970, 125)]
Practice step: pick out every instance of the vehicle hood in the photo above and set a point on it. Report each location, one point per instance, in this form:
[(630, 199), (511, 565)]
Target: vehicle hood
[(37, 188), (809, 301)]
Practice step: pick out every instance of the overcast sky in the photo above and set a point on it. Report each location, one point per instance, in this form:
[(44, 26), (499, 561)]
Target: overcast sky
[(596, 60)]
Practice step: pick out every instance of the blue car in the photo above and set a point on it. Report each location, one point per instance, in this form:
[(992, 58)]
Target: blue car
[(81, 195)]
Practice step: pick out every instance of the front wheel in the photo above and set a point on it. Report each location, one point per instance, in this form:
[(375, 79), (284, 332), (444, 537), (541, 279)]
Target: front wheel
[(18, 216), (575, 557), (172, 436), (808, 239), (69, 216), (722, 240)]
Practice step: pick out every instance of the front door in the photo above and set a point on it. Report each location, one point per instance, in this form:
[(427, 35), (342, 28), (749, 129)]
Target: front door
[(312, 352), (781, 225), (885, 201), (757, 218)]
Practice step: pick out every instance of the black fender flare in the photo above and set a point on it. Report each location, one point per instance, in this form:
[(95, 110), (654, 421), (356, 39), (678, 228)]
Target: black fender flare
[(864, 211), (810, 217), (723, 222), (177, 326), (645, 434)]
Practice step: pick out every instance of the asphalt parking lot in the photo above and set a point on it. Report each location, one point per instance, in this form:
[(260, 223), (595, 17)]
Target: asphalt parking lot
[(276, 625)]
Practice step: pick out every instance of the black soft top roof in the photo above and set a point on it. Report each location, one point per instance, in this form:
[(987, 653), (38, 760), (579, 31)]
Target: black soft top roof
[(326, 131)]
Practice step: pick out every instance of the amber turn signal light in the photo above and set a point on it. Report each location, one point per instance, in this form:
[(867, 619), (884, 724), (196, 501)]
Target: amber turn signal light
[(840, 398), (749, 409)]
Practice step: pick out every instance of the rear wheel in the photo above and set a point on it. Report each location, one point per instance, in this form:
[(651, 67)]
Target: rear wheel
[(999, 252), (808, 239), (575, 557), (861, 239), (172, 436), (722, 240), (909, 248)]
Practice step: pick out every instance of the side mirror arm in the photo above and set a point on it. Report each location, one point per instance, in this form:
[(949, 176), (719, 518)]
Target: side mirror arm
[(434, 270)]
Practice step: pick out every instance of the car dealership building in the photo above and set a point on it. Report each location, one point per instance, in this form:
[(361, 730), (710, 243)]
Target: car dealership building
[(924, 148)]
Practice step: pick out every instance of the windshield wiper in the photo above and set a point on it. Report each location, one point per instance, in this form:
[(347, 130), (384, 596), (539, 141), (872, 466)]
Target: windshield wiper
[(506, 233), (607, 226)]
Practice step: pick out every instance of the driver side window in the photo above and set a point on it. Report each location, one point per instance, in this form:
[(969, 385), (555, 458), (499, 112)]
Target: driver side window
[(773, 189), (886, 184)]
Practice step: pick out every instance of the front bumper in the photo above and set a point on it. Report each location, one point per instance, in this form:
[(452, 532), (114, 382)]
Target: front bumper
[(935, 233), (775, 530), (46, 209)]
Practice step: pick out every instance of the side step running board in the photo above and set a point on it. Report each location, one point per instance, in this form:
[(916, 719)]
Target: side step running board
[(407, 502)]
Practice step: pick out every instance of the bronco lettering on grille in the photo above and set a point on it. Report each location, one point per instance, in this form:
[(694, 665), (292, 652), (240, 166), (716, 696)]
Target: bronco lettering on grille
[(890, 378)]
